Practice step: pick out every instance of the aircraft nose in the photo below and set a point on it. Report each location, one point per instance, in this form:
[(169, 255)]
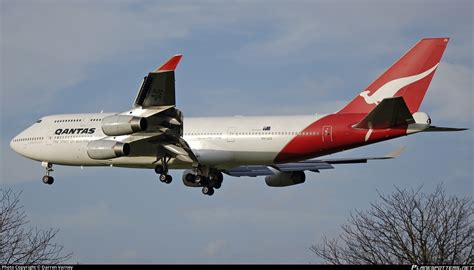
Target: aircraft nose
[(14, 144)]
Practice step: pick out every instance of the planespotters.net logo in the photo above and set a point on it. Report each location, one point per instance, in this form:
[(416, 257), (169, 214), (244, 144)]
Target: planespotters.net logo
[(442, 267)]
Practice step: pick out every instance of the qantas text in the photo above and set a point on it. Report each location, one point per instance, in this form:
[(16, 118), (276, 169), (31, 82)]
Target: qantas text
[(61, 131)]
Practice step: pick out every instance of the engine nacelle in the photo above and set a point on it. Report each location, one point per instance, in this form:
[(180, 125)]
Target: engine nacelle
[(283, 179), (107, 149), (189, 182), (116, 125)]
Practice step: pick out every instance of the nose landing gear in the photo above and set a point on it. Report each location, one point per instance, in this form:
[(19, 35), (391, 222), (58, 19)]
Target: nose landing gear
[(162, 170), (47, 179)]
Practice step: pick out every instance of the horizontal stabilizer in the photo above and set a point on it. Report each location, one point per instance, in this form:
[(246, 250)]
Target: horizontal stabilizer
[(391, 112), (435, 128)]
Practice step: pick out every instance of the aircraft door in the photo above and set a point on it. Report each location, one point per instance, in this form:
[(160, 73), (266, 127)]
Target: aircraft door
[(230, 134), (84, 121), (327, 134), (49, 136)]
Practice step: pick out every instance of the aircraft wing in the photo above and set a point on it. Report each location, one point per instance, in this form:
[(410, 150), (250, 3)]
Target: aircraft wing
[(314, 165), (156, 102)]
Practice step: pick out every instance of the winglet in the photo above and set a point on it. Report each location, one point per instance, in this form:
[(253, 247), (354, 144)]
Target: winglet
[(171, 64), (395, 153)]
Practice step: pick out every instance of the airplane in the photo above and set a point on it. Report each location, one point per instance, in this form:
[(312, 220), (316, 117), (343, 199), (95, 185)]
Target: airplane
[(154, 134)]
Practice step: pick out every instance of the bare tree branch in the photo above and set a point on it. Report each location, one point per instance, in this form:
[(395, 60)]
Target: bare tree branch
[(20, 245), (405, 227)]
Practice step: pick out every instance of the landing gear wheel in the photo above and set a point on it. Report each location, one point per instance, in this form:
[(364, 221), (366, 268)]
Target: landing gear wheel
[(220, 177), (159, 169), (168, 179), (45, 179), (211, 191), (163, 177), (207, 190), (215, 180), (48, 180), (198, 179), (217, 185)]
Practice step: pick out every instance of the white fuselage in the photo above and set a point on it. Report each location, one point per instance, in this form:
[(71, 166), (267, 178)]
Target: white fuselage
[(220, 142)]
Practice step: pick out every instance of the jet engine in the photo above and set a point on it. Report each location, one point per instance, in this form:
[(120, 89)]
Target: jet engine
[(107, 149), (283, 179), (116, 125)]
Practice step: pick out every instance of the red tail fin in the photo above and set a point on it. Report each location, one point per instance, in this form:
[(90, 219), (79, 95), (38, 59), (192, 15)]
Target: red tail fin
[(409, 77)]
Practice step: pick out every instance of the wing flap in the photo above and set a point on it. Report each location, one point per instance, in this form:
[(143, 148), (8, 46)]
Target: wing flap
[(250, 170), (307, 165), (304, 166), (175, 149), (184, 158)]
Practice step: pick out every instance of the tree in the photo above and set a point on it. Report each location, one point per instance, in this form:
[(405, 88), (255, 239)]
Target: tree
[(405, 227), (21, 245)]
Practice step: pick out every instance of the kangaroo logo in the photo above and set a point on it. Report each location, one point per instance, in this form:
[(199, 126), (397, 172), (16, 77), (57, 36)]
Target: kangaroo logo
[(391, 88)]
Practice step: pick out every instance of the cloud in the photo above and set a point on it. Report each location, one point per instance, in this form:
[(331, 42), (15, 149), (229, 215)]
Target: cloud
[(275, 213), (50, 46), (15, 169), (128, 256), (215, 247), (86, 218), (450, 95), (304, 29)]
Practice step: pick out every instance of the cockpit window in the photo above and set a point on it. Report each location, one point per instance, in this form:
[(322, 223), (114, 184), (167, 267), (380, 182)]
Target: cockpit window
[(39, 121)]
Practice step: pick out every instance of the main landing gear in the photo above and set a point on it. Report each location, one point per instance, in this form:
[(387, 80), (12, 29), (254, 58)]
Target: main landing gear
[(208, 184), (213, 181), (162, 170), (47, 179)]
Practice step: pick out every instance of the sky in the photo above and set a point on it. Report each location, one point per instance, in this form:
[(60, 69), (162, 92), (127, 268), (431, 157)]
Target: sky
[(239, 58)]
